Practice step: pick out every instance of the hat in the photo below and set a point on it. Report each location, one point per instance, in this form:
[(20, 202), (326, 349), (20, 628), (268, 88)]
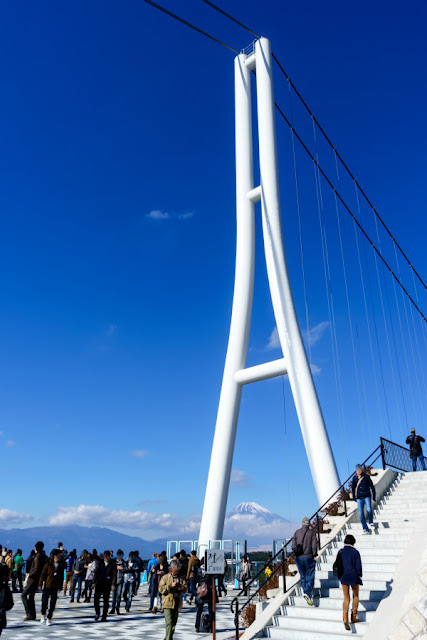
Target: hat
[(306, 521)]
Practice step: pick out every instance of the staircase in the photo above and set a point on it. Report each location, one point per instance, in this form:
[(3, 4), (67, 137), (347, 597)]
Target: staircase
[(395, 517)]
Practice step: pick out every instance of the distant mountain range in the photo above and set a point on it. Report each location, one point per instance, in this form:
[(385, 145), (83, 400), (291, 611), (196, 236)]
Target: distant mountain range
[(77, 537), (248, 521)]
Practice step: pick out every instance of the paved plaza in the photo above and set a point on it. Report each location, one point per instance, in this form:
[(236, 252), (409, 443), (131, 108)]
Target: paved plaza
[(76, 622)]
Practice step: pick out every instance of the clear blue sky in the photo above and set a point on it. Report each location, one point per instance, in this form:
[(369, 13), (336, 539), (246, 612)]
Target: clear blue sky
[(114, 319)]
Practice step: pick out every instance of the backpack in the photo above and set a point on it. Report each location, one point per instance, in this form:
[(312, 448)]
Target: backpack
[(299, 549), (338, 567), (6, 598), (205, 623)]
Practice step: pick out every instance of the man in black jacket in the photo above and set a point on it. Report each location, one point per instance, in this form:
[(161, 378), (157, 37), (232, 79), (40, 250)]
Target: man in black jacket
[(416, 450), (30, 588), (363, 491), (79, 572), (104, 580)]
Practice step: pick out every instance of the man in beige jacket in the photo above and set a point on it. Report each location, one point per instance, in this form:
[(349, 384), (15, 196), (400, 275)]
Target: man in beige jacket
[(171, 588)]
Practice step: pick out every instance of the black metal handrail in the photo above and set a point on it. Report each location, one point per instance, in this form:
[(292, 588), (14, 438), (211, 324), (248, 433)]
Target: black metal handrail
[(236, 610)]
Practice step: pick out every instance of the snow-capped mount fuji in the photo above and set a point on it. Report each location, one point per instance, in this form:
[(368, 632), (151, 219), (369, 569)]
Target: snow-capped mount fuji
[(256, 524)]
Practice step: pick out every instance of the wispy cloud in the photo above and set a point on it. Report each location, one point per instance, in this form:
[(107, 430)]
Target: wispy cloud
[(139, 453), (273, 341), (239, 478), (153, 501), (186, 216), (315, 369), (10, 443), (315, 334), (8, 517), (102, 516), (156, 214), (111, 330)]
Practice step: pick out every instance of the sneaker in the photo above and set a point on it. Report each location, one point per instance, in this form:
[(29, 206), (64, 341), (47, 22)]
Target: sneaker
[(48, 622), (366, 532), (42, 619), (372, 526), (97, 617), (308, 600), (28, 618)]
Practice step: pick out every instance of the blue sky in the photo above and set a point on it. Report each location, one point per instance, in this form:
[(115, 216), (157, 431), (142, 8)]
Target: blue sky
[(118, 240)]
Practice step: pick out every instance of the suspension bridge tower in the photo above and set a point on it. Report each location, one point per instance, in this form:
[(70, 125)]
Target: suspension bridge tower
[(294, 362)]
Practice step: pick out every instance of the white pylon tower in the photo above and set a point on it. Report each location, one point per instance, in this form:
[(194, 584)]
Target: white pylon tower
[(294, 362)]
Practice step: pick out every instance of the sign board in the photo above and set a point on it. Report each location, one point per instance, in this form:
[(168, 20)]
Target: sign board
[(214, 561)]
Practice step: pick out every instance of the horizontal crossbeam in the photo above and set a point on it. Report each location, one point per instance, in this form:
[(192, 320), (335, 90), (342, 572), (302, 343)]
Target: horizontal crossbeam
[(261, 372)]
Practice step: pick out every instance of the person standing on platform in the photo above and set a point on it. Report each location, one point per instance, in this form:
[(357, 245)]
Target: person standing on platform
[(192, 567), (79, 572), (117, 593), (171, 588), (363, 491), (351, 576), (104, 581), (416, 450), (6, 598), (69, 571), (52, 577), (304, 547), (18, 564), (30, 588)]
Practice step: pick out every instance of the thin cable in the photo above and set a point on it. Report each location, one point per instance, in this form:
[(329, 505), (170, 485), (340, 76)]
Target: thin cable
[(323, 132), (188, 24), (349, 211)]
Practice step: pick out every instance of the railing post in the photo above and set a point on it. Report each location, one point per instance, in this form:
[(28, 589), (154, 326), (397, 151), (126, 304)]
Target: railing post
[(318, 529), (382, 454), (236, 620), (284, 570)]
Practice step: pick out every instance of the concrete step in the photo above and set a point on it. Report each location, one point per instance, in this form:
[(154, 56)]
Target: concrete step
[(370, 551), (365, 593), (373, 540), (384, 524), (315, 624), (281, 633), (334, 583), (321, 613), (331, 603), (368, 576), (369, 563)]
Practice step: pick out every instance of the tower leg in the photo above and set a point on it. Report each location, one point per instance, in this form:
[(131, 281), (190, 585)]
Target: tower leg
[(225, 430), (316, 440)]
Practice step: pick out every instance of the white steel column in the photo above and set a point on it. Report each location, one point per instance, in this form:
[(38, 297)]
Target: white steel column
[(225, 431), (321, 460)]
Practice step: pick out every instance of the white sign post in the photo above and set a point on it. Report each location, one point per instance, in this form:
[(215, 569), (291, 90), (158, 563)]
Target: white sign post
[(214, 566)]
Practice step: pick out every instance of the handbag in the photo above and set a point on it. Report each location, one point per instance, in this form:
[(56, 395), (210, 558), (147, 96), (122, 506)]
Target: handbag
[(202, 590), (338, 567)]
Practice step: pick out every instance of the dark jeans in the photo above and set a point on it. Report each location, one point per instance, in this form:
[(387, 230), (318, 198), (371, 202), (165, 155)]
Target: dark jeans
[(117, 596), (154, 588), (28, 599), (221, 587), (128, 593), (17, 576), (53, 595), (361, 504), (200, 611), (192, 587), (137, 582), (420, 457), (306, 567), (102, 590), (77, 580), (87, 593)]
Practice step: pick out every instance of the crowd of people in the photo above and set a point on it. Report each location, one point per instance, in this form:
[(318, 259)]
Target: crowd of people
[(111, 580)]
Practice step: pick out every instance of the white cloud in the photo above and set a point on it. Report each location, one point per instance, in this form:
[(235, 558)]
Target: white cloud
[(315, 370), (101, 516), (156, 214), (10, 443), (273, 342), (8, 517), (241, 526), (186, 216), (139, 453), (316, 333), (239, 478)]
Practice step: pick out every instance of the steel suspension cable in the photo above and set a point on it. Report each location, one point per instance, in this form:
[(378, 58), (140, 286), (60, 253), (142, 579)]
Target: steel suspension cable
[(325, 135)]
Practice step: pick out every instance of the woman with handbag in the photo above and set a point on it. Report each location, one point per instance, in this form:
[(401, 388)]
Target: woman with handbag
[(204, 596), (348, 567)]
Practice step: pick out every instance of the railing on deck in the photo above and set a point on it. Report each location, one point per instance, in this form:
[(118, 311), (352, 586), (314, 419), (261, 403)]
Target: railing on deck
[(391, 454)]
